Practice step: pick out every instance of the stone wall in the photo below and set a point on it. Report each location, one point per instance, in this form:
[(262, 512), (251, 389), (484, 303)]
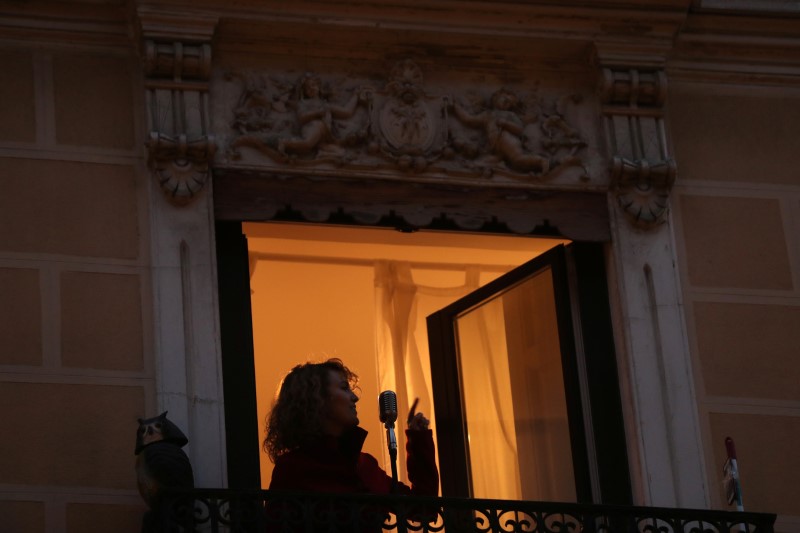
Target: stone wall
[(738, 231), (76, 368)]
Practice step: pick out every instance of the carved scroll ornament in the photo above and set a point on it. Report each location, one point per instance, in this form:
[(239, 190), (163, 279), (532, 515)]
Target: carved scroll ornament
[(642, 190), (642, 172), (180, 167), (314, 122), (180, 149)]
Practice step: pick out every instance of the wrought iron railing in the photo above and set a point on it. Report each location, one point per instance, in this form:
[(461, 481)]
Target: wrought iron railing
[(229, 511)]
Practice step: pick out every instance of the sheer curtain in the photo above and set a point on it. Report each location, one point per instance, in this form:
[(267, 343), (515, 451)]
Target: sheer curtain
[(488, 402), (403, 361)]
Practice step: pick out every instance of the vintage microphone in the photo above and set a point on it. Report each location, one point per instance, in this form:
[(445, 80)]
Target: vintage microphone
[(387, 407)]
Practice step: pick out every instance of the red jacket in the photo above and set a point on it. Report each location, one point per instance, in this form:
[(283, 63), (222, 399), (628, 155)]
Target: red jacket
[(339, 466)]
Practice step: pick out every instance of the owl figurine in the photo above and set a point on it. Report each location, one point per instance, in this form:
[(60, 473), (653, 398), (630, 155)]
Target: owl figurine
[(160, 461)]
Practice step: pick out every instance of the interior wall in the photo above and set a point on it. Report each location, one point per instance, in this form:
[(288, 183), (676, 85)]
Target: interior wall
[(310, 312), (313, 297)]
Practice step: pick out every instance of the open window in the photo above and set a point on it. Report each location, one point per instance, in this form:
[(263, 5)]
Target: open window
[(509, 415), (305, 295)]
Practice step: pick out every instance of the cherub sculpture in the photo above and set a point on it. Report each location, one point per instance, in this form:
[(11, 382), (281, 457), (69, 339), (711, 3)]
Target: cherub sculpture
[(315, 115), (504, 131)]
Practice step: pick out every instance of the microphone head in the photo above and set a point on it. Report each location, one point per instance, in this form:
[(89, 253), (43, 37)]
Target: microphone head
[(387, 406)]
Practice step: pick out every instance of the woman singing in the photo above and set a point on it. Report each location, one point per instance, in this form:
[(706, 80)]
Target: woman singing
[(314, 439)]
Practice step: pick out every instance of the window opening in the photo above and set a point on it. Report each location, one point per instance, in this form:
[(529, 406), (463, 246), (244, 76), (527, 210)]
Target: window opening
[(363, 294)]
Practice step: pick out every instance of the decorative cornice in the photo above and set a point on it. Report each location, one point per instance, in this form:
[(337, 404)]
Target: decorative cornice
[(515, 19), (165, 25), (632, 53), (736, 49), (61, 23)]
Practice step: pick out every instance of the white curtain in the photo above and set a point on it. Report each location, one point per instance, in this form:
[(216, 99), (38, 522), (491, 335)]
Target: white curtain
[(488, 402), (402, 343)]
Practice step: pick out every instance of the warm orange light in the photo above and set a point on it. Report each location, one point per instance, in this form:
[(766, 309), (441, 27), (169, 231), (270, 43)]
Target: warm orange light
[(313, 296)]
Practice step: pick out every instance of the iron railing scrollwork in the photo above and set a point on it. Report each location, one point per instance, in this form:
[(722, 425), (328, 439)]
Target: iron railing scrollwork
[(230, 511)]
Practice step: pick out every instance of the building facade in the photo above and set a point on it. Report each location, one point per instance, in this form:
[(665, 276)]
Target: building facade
[(664, 130)]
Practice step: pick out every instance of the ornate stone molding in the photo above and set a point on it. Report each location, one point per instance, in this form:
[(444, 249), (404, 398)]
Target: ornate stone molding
[(399, 126), (642, 171), (177, 67)]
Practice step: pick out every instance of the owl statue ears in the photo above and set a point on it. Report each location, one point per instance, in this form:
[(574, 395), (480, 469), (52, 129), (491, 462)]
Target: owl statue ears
[(160, 463), (158, 429)]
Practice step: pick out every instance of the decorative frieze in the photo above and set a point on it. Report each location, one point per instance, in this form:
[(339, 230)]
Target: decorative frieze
[(321, 123), (177, 69), (642, 171)]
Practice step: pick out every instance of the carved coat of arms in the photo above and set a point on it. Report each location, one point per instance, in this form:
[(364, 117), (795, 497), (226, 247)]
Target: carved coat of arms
[(408, 120)]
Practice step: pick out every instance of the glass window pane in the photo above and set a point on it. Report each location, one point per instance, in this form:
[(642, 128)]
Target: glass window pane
[(513, 394)]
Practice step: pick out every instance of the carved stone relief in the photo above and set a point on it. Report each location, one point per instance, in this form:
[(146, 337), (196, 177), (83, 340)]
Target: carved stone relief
[(399, 124)]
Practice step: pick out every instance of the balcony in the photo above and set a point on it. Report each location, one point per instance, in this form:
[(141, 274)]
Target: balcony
[(230, 511)]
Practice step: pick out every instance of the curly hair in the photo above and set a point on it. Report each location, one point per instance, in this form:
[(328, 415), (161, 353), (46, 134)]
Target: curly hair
[(299, 410)]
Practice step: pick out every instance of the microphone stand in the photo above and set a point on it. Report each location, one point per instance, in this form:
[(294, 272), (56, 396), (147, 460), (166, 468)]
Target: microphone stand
[(391, 439)]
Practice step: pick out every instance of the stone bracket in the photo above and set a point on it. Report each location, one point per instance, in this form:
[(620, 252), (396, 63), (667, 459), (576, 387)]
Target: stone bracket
[(642, 170), (177, 68)]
